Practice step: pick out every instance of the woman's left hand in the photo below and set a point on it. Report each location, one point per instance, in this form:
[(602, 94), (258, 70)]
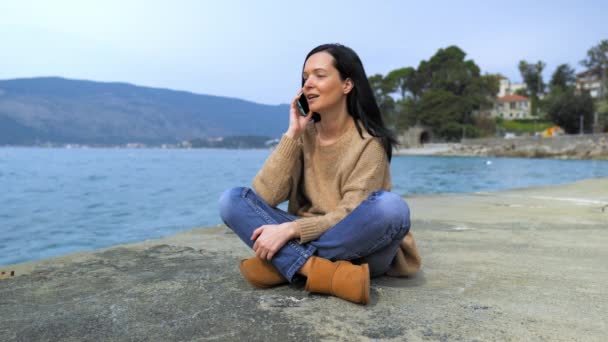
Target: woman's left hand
[(271, 237)]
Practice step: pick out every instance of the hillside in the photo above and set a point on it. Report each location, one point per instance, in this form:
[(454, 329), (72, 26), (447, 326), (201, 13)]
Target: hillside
[(59, 110)]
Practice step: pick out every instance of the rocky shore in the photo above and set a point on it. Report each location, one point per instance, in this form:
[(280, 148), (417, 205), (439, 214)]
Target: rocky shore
[(581, 149), (518, 265), (564, 147)]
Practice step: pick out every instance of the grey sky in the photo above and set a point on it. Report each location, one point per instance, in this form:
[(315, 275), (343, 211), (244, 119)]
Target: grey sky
[(254, 49)]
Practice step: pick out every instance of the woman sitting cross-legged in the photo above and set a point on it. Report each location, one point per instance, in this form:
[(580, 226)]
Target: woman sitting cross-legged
[(343, 225)]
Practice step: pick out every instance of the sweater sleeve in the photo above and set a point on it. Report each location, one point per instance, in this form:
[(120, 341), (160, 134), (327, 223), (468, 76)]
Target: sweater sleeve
[(367, 176), (274, 180)]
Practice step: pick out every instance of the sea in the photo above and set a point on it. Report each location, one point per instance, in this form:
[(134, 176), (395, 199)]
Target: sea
[(55, 201)]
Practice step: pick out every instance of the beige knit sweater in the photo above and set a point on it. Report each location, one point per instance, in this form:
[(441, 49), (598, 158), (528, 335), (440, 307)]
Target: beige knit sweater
[(324, 183)]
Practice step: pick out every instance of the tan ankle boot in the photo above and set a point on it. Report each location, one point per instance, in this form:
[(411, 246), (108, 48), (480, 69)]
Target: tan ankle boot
[(261, 273), (341, 279)]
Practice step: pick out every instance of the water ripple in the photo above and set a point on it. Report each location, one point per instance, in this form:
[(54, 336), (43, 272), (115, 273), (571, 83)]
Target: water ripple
[(94, 206), (94, 178)]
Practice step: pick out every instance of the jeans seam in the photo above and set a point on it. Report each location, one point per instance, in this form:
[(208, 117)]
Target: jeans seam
[(300, 261), (285, 215), (257, 208), (297, 247), (295, 267)]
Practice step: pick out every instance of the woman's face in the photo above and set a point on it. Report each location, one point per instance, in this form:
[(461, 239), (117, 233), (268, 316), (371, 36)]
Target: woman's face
[(322, 84)]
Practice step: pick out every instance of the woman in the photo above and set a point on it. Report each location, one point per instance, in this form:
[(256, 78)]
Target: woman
[(342, 225)]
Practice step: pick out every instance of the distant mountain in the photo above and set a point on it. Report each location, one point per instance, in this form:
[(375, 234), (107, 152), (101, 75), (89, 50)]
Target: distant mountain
[(59, 110)]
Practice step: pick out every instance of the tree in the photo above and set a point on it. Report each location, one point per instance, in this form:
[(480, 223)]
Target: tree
[(597, 63), (482, 91), (532, 74), (382, 89), (452, 89), (406, 113), (441, 93), (565, 108), (438, 107), (403, 80), (448, 70), (602, 110), (563, 78), (522, 92)]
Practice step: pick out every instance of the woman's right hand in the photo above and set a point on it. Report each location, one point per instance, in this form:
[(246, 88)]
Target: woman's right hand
[(297, 122)]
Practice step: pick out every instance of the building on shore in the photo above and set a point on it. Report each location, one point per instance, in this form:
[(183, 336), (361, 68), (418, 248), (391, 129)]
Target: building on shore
[(589, 81), (510, 107), (507, 88)]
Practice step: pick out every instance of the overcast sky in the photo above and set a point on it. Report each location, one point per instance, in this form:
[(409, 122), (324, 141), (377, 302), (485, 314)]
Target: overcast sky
[(254, 50)]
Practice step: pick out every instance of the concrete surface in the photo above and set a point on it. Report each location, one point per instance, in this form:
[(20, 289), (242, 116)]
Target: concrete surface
[(517, 265)]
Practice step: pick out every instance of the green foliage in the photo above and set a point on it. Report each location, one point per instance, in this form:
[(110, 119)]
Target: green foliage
[(445, 90), (602, 111), (405, 115), (602, 107), (453, 131), (565, 108), (563, 78), (523, 126), (532, 74), (471, 131), (382, 89), (441, 93), (440, 107), (597, 56), (486, 126), (597, 63), (404, 81), (522, 92), (448, 70)]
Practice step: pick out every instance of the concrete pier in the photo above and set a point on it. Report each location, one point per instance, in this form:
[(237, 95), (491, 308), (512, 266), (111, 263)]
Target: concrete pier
[(529, 264)]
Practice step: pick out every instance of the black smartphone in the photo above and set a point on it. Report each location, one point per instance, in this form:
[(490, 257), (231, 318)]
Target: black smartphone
[(303, 104)]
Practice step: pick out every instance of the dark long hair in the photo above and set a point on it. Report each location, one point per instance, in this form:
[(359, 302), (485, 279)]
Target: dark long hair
[(361, 103)]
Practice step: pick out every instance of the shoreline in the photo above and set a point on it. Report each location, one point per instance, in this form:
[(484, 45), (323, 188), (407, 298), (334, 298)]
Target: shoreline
[(426, 150), (496, 266), (457, 150), (431, 150), (578, 147)]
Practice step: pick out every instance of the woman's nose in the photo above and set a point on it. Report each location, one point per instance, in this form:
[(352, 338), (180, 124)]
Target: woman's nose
[(308, 83)]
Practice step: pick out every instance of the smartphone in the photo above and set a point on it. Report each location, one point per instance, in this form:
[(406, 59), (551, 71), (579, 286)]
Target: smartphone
[(303, 104)]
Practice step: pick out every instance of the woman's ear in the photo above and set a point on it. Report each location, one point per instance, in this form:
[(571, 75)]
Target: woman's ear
[(348, 86)]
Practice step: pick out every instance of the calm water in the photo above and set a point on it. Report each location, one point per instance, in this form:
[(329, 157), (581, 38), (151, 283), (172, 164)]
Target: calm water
[(55, 201)]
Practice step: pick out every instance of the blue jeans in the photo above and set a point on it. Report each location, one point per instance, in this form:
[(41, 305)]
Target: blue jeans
[(370, 234)]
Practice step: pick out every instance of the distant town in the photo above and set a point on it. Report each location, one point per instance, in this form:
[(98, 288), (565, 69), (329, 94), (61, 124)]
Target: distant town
[(231, 142)]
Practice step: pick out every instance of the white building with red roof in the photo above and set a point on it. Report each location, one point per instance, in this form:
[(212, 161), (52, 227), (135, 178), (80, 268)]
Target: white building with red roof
[(510, 107)]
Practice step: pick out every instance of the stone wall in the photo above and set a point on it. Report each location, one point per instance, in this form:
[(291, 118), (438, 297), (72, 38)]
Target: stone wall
[(415, 137), (589, 146)]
